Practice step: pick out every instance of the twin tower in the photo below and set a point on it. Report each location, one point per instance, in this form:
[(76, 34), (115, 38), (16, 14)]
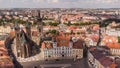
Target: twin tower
[(23, 45)]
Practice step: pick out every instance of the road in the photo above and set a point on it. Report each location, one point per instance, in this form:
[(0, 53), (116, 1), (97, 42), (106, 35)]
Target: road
[(65, 63)]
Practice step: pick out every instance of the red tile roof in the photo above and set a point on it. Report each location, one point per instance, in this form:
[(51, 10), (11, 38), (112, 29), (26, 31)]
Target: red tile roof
[(114, 45), (63, 40), (110, 39), (96, 27), (72, 27), (78, 44), (46, 45), (94, 37), (34, 33)]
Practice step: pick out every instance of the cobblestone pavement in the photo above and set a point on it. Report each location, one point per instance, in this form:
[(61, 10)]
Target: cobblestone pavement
[(73, 64)]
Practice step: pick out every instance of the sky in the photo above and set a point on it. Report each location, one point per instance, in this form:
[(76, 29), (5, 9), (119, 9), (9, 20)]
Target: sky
[(59, 3)]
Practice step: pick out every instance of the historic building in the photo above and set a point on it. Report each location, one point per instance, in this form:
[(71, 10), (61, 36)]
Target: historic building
[(114, 48), (23, 46), (25, 41), (40, 27), (62, 47), (100, 58), (28, 30), (35, 36)]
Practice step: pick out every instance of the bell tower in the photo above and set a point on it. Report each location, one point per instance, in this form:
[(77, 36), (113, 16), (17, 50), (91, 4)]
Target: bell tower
[(22, 47), (28, 30), (59, 18), (40, 27), (17, 48)]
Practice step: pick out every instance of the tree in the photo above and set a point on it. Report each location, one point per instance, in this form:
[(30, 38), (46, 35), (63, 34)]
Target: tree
[(53, 24), (53, 31), (44, 24), (78, 33), (1, 21), (76, 24), (69, 23), (106, 22)]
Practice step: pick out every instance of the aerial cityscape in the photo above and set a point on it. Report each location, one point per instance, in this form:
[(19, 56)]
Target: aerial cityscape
[(59, 34)]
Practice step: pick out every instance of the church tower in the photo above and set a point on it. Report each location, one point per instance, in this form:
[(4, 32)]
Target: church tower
[(40, 27), (28, 30), (26, 48), (21, 44), (17, 44), (59, 18)]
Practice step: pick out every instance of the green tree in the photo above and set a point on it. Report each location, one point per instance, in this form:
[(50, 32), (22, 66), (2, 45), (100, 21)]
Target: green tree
[(76, 24), (1, 21), (69, 23), (53, 24), (78, 33), (53, 31), (44, 24)]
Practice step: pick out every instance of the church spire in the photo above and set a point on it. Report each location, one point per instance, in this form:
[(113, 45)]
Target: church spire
[(28, 30), (40, 26)]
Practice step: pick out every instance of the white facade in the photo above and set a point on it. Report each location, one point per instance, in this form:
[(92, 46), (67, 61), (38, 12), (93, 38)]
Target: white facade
[(115, 51), (62, 52), (90, 42), (57, 53), (5, 30), (77, 53), (113, 32)]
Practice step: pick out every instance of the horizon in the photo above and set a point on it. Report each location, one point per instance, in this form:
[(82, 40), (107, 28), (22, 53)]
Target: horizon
[(53, 8)]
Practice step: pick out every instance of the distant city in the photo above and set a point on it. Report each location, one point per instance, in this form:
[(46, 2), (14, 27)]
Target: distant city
[(59, 38)]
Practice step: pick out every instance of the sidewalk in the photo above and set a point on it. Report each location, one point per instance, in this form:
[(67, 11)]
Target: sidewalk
[(33, 58)]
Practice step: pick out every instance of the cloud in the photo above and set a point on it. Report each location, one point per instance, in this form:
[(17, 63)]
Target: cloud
[(107, 1), (52, 1), (68, 0), (37, 1), (60, 3)]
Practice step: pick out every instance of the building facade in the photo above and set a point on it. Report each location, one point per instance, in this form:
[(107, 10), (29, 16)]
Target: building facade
[(62, 48)]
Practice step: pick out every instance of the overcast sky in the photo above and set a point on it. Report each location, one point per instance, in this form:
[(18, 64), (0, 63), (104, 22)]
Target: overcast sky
[(59, 3)]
